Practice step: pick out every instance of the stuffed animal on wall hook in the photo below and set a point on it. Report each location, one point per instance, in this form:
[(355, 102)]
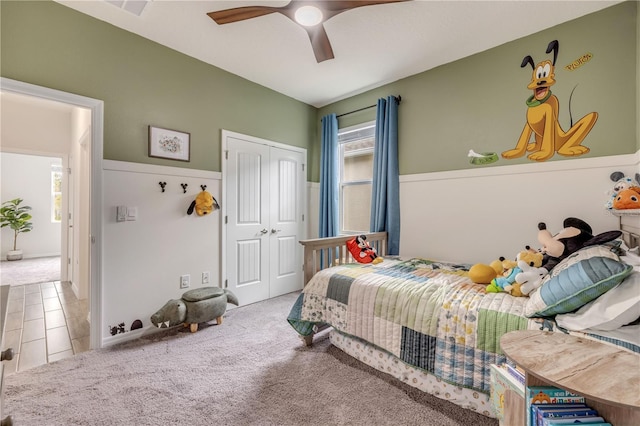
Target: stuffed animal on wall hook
[(204, 203)]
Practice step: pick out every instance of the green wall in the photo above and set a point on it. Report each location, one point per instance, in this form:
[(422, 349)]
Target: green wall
[(478, 102), (143, 83)]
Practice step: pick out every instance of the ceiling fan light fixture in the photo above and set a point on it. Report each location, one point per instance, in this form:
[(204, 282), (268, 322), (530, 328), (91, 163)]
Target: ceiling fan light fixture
[(308, 16)]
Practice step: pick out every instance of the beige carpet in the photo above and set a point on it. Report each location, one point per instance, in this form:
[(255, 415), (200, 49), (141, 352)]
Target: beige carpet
[(30, 271), (251, 370)]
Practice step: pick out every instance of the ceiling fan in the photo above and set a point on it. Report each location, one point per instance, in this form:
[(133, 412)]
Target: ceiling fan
[(309, 14)]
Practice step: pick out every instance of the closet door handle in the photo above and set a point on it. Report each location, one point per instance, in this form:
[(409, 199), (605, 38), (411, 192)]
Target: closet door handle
[(275, 231), (264, 231)]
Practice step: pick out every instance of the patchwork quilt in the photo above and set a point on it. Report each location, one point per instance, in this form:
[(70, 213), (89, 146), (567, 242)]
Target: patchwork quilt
[(428, 314)]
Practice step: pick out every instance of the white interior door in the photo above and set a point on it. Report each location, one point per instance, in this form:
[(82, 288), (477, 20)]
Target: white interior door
[(262, 201), (285, 262), (247, 218)]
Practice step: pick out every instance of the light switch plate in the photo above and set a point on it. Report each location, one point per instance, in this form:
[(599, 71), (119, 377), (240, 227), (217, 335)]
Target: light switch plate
[(132, 213), (121, 213)]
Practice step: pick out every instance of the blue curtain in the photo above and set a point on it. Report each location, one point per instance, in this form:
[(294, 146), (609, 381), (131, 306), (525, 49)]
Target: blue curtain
[(329, 178), (385, 193)]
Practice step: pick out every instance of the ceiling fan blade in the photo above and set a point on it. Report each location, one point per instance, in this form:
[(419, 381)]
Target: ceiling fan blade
[(320, 43), (332, 8), (236, 14), (317, 34)]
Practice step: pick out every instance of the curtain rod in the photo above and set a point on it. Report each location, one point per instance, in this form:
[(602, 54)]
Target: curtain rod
[(398, 99)]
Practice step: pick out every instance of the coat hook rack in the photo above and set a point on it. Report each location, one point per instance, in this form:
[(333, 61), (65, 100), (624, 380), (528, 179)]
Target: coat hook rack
[(184, 187), (203, 187), (162, 185)]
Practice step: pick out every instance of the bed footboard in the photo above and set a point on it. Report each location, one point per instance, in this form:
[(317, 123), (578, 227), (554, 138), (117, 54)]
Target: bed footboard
[(322, 253)]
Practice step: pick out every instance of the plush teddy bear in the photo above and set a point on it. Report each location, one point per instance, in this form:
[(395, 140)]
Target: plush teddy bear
[(627, 199), (622, 183), (361, 250)]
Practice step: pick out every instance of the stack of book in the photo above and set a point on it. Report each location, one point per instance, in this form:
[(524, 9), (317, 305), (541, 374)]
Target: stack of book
[(502, 382), (551, 406), (515, 371)]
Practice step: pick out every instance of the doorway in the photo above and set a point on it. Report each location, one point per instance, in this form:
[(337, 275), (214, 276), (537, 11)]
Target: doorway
[(38, 181), (87, 132), (263, 201)]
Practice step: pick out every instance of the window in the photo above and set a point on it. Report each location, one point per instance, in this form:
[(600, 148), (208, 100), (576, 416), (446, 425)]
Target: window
[(356, 177), (56, 193)]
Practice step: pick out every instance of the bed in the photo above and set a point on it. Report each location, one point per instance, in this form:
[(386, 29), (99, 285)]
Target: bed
[(427, 324)]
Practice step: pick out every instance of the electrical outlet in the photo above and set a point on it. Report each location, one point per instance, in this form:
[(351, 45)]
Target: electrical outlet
[(205, 277), (185, 281)]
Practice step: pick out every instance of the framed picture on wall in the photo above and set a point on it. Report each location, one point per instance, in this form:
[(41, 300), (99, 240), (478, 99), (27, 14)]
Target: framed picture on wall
[(171, 144)]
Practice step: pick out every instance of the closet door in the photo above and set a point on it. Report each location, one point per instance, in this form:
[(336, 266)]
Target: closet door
[(264, 201), (247, 217), (286, 168)]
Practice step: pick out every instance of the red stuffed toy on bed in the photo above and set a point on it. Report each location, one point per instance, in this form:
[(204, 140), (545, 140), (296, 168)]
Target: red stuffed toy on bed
[(361, 250)]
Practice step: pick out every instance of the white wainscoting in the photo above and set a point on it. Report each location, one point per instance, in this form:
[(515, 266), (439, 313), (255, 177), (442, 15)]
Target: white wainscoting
[(477, 215), (144, 259), (480, 214)]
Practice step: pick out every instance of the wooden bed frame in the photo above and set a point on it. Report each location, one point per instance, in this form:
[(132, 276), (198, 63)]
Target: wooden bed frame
[(319, 252), (322, 253)]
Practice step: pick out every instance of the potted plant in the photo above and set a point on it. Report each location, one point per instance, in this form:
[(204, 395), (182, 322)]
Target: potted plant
[(17, 217)]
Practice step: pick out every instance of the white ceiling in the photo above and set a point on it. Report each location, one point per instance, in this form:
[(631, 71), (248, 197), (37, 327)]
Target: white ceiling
[(373, 45)]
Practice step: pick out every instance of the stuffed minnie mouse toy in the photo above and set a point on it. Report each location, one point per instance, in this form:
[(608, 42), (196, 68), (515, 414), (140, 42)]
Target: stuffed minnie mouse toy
[(361, 250)]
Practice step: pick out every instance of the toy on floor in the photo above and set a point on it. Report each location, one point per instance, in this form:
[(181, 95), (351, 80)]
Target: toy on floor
[(361, 250), (196, 306)]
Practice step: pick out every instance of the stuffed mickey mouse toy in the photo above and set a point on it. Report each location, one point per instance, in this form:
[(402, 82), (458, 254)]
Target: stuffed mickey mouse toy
[(361, 250), (575, 235)]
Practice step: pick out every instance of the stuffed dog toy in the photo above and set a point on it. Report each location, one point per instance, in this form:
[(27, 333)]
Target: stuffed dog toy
[(481, 273), (204, 203)]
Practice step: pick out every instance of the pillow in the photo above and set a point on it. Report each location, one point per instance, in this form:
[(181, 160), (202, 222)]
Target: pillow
[(577, 280), (617, 307), (582, 254)]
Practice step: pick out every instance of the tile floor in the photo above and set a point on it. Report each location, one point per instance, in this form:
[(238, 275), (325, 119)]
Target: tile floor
[(45, 322)]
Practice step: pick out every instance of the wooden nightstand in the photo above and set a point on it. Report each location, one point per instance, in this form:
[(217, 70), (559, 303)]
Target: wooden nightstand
[(608, 377)]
